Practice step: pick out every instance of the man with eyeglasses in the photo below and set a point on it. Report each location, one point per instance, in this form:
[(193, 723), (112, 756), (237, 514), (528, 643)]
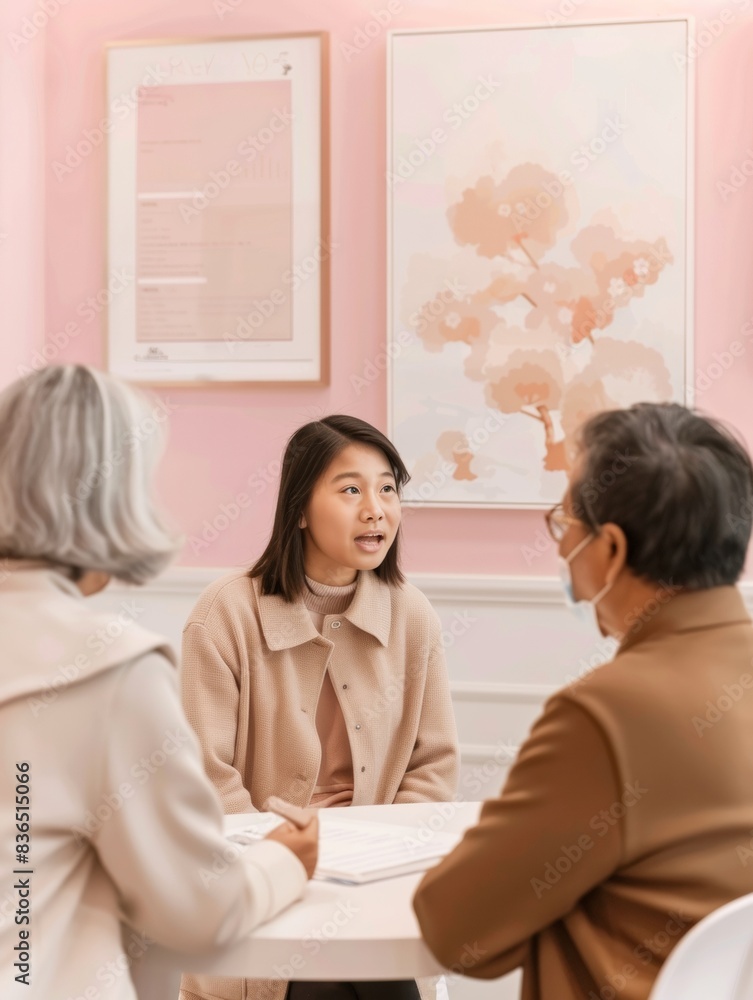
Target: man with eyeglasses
[(619, 824)]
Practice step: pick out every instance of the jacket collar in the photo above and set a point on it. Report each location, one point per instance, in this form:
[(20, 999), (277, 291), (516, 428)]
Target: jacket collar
[(685, 611), (287, 625), (53, 637), (30, 574)]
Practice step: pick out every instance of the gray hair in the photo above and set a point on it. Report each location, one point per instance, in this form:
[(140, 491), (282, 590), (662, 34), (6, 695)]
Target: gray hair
[(679, 484), (78, 449)]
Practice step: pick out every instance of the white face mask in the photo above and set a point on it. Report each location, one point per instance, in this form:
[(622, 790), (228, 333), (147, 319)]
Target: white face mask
[(583, 610)]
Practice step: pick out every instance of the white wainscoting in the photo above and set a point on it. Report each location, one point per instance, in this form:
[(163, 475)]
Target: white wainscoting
[(510, 642)]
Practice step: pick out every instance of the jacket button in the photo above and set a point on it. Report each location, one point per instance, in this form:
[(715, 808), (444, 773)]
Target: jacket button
[(358, 725), (363, 769), (336, 624), (345, 687)]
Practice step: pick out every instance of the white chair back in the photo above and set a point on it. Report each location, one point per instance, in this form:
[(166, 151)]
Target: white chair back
[(714, 960)]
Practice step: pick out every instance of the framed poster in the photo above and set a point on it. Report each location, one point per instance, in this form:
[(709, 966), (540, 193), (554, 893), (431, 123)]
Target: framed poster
[(218, 210), (539, 198)]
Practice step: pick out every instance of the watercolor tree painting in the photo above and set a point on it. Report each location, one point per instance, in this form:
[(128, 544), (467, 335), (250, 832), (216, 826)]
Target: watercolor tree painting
[(506, 222)]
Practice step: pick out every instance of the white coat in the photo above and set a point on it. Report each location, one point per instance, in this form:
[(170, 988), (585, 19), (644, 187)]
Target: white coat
[(121, 827)]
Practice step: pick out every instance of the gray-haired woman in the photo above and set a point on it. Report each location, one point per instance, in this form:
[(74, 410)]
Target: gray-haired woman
[(105, 809)]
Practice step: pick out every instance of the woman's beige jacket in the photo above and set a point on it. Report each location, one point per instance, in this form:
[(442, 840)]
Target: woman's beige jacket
[(253, 666)]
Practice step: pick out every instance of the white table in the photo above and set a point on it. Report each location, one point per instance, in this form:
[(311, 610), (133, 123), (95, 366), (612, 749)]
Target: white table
[(336, 932)]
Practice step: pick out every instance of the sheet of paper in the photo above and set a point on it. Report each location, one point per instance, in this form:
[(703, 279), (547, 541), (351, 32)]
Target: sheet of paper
[(356, 850), (360, 848)]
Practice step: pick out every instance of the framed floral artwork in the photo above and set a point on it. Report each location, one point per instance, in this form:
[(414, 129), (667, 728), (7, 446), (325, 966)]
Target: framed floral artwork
[(540, 246), (218, 210)]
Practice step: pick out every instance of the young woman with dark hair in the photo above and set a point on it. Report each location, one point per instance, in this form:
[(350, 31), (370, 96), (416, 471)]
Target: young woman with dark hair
[(319, 675)]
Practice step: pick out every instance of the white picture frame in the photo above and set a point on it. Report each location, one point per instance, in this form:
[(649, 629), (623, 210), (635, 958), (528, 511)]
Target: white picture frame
[(218, 209), (547, 99)]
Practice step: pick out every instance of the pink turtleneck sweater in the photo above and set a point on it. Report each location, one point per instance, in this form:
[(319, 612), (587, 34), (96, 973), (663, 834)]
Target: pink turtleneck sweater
[(334, 784)]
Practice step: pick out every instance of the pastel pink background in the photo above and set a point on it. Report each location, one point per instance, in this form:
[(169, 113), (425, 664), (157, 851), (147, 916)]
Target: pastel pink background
[(52, 244)]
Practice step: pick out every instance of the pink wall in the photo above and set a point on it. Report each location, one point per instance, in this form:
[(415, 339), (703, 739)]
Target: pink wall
[(222, 438), (22, 182)]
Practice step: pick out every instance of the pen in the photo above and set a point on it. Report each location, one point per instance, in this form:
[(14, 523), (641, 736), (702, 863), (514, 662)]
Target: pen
[(297, 816)]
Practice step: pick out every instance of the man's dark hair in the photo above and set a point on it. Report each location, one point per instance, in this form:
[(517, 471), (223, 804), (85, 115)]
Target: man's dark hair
[(680, 486), (307, 456)]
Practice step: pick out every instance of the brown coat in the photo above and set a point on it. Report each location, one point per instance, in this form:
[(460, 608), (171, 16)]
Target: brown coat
[(624, 821), (253, 667)]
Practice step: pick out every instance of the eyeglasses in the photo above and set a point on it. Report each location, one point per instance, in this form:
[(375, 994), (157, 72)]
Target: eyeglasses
[(557, 522)]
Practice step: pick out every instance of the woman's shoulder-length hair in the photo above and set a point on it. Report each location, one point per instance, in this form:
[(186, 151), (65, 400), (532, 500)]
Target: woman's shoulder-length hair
[(307, 455), (78, 449)]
